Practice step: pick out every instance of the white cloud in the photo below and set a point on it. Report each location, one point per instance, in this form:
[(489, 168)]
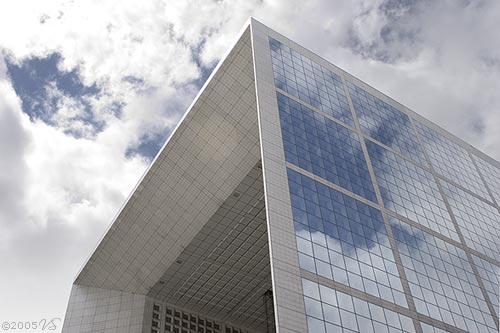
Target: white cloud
[(14, 141), (108, 41), (60, 192), (437, 52)]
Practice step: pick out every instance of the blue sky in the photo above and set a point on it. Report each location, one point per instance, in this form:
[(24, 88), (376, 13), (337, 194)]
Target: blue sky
[(31, 78), (89, 90)]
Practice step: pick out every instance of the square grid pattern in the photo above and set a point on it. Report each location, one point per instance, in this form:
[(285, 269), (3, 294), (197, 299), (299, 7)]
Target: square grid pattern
[(490, 275), (310, 82), (179, 321), (343, 239), (491, 175), (441, 280), (411, 191), (426, 328), (478, 221), (451, 160), (385, 123), (214, 147), (321, 146), (225, 270), (332, 311), (93, 309)]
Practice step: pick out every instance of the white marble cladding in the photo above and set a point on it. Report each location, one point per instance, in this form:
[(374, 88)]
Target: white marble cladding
[(287, 287), (102, 310)]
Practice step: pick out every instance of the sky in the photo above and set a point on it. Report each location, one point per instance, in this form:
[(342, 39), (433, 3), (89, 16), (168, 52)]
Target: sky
[(90, 90)]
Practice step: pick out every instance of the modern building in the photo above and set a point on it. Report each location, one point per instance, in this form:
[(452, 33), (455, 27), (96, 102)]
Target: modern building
[(293, 197)]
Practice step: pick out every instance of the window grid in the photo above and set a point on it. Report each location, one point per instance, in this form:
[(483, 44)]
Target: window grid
[(309, 82), (442, 282), (179, 321), (411, 191), (491, 175), (343, 239), (385, 123), (321, 146), (478, 221), (490, 275), (447, 289), (451, 160), (426, 328), (329, 310)]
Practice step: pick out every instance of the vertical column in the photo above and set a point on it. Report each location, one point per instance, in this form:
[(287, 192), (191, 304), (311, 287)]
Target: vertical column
[(287, 285)]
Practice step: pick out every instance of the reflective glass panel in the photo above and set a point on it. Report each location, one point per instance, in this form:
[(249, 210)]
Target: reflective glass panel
[(490, 275), (451, 160), (478, 221), (441, 280), (329, 310), (426, 328), (309, 82), (385, 123), (410, 190), (343, 239), (491, 175), (323, 147)]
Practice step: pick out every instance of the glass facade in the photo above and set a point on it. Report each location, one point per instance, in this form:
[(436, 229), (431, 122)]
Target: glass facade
[(451, 160), (309, 82), (410, 190), (321, 146), (479, 221), (385, 123), (330, 310), (490, 274), (343, 239), (397, 223), (491, 176), (442, 282)]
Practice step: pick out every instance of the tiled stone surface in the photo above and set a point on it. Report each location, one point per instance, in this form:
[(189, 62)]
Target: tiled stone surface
[(101, 310)]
